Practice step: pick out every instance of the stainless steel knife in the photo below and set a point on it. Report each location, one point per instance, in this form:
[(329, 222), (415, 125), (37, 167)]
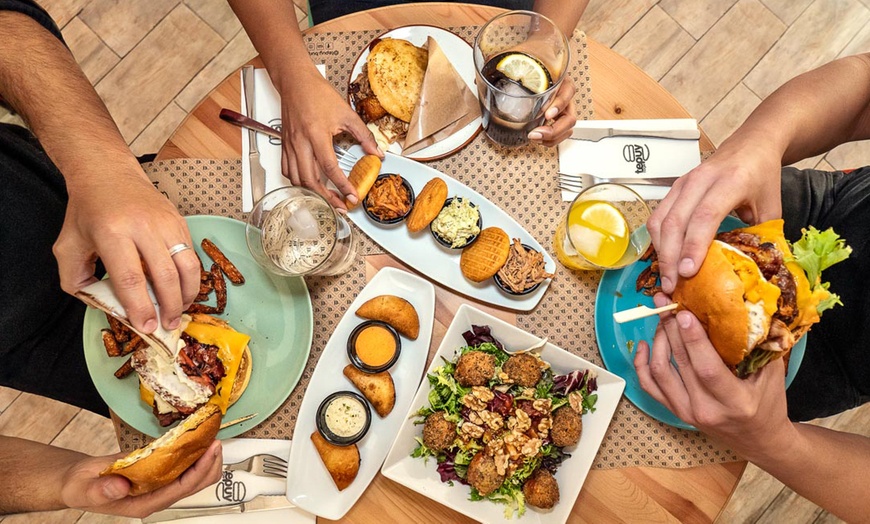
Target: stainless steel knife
[(596, 134), (260, 503), (258, 174)]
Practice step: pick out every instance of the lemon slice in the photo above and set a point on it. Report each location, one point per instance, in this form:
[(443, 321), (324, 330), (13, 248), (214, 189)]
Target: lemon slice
[(525, 70), (599, 232)]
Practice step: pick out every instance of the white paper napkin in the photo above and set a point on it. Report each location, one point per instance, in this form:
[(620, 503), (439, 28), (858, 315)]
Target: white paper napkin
[(616, 157), (267, 109), (241, 486)]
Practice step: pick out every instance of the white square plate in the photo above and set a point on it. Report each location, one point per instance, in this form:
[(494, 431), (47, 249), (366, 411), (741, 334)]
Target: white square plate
[(421, 476)]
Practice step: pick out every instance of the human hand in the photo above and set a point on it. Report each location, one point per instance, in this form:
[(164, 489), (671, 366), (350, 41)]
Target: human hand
[(742, 176), (115, 214), (84, 489), (563, 113), (748, 414), (312, 113)]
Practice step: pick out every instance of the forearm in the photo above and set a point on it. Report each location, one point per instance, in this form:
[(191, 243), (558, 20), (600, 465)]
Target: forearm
[(822, 465), (33, 475), (565, 14), (40, 79), (274, 31), (812, 113)]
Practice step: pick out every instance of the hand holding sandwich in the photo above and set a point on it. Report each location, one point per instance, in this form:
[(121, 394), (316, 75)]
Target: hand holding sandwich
[(57, 478), (749, 416), (808, 115)]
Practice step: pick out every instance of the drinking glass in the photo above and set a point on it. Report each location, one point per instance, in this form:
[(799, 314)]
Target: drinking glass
[(293, 231), (508, 109), (586, 238)]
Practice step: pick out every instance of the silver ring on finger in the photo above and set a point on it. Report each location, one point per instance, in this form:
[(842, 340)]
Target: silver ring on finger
[(178, 248)]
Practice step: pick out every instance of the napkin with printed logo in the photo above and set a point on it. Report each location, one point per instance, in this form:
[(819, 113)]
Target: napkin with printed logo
[(630, 156), (241, 486)]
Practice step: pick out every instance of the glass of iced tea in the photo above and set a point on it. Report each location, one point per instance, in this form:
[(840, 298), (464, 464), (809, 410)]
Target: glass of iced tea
[(520, 58), (293, 231), (604, 228)]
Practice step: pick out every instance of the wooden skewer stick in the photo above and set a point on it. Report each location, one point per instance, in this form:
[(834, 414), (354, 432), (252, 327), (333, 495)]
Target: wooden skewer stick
[(641, 312), (238, 420)]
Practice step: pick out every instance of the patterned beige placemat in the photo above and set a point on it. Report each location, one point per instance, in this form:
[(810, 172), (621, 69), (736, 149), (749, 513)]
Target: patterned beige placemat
[(523, 182)]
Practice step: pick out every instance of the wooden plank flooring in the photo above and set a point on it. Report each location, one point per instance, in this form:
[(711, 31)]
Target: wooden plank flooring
[(720, 59)]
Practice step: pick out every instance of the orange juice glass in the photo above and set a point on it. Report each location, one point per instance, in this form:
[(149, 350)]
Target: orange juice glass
[(603, 228)]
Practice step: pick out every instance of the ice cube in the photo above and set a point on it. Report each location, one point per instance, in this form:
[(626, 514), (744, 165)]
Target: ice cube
[(513, 102)]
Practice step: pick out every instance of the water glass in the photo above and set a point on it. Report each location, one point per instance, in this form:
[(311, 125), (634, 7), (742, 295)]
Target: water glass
[(293, 231)]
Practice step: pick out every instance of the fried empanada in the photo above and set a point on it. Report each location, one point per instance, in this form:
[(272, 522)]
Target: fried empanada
[(342, 462), (378, 388), (395, 311), (363, 175)]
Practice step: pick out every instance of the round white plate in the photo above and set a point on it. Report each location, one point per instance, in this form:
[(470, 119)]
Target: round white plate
[(458, 51)]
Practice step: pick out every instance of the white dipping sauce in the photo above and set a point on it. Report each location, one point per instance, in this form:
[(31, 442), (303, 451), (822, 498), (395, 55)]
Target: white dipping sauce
[(345, 416)]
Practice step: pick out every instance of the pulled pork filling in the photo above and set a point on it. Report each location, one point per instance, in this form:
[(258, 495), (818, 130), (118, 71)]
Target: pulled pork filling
[(201, 364)]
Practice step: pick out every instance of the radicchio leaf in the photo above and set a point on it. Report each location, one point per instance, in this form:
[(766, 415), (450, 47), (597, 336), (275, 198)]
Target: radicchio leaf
[(478, 335)]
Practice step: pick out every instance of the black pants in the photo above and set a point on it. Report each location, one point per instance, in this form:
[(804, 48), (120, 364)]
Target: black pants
[(835, 373), (40, 325), (323, 10)]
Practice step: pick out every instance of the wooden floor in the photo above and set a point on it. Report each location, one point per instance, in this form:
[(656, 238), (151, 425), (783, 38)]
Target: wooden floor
[(719, 58)]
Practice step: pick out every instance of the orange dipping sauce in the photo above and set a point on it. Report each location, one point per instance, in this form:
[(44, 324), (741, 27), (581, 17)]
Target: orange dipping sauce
[(375, 346)]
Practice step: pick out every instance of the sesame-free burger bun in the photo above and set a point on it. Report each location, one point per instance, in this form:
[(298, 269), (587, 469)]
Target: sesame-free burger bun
[(166, 458), (716, 296)]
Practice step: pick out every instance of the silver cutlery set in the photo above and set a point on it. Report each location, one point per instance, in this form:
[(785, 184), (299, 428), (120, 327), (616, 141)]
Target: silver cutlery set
[(262, 465)]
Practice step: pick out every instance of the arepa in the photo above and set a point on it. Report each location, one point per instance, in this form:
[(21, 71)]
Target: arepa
[(395, 70)]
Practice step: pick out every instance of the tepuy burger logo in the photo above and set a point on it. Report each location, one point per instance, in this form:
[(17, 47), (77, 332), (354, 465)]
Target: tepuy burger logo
[(638, 154), (228, 491)]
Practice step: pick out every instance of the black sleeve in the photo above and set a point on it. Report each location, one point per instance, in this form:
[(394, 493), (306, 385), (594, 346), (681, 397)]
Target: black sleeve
[(34, 11)]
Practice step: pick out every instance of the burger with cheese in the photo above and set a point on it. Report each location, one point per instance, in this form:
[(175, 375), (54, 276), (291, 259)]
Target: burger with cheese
[(756, 295), (211, 363)]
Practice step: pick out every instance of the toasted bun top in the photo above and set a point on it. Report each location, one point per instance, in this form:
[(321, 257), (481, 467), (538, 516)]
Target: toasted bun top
[(718, 296), (395, 70), (166, 458)]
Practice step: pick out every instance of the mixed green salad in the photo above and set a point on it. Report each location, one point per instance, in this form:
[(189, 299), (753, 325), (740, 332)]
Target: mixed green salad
[(514, 426)]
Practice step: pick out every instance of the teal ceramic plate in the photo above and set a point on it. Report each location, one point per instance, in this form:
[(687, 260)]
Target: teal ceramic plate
[(275, 311), (617, 342)]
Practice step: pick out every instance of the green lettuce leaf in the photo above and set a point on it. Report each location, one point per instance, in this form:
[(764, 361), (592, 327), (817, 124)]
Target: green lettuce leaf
[(819, 250)]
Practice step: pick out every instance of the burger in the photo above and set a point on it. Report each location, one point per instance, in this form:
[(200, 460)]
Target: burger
[(211, 364), (165, 459), (388, 88), (756, 295)]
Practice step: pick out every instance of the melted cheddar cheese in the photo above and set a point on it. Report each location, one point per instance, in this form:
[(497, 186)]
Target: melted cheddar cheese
[(807, 300), (231, 345)]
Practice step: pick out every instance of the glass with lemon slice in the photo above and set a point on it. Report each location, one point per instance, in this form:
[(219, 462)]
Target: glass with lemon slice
[(520, 58), (603, 229)]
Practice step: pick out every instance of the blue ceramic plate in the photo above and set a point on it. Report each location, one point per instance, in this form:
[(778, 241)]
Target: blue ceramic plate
[(275, 311), (617, 342)]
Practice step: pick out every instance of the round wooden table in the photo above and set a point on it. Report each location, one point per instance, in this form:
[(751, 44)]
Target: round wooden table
[(620, 90)]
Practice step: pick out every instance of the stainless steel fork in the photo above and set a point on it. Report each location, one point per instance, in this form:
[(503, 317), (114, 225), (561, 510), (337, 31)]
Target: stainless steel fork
[(264, 465), (346, 159), (584, 180)]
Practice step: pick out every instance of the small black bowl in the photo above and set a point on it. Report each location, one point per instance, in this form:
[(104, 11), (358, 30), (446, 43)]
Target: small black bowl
[(396, 220), (504, 287), (355, 358), (447, 243), (333, 436)]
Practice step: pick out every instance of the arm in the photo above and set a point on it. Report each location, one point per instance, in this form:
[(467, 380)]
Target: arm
[(113, 213), (808, 115), (49, 478), (563, 113), (312, 111), (749, 416)]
